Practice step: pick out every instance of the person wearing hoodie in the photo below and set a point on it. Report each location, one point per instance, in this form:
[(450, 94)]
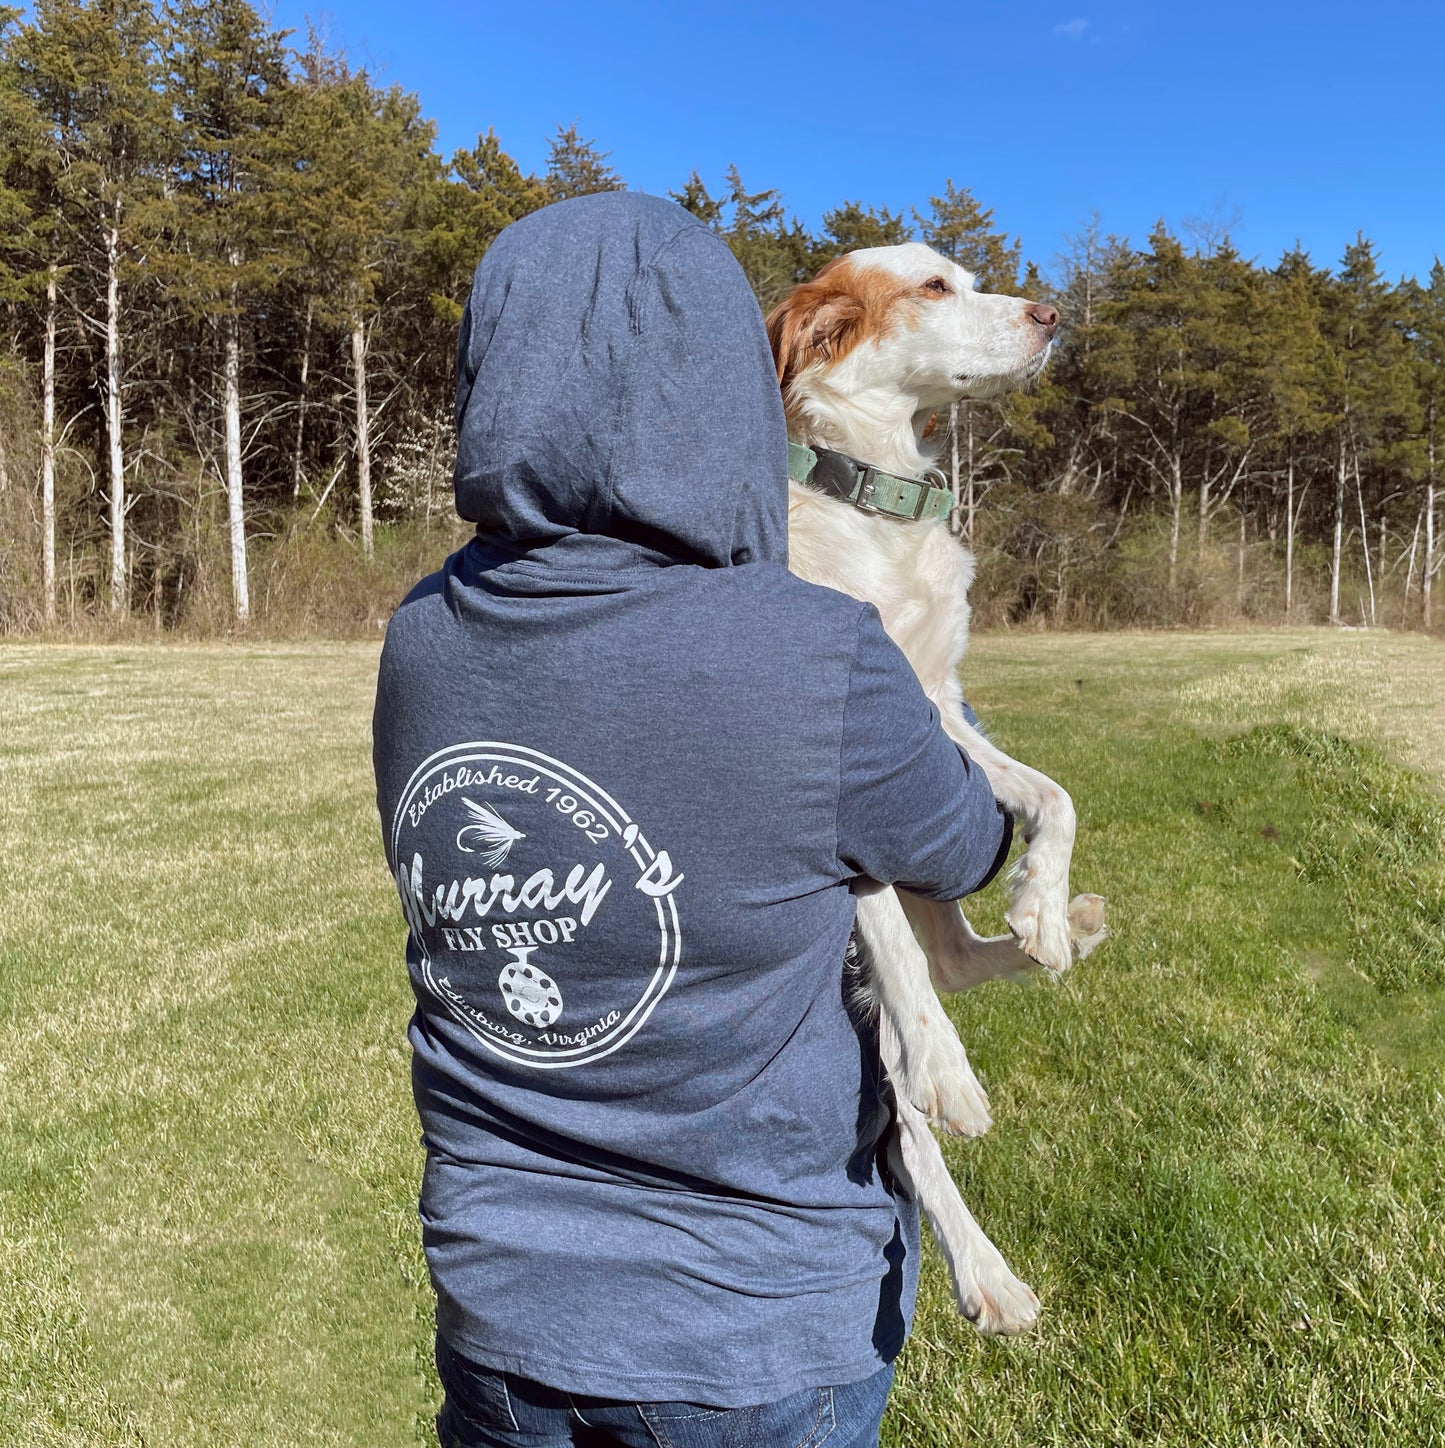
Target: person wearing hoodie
[(630, 773)]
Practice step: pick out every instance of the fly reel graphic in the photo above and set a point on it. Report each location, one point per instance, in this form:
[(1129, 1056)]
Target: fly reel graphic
[(531, 994)]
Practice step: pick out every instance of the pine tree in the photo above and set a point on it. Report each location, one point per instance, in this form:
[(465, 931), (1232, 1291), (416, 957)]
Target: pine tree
[(1369, 383), (1427, 305), (960, 229), (90, 67), (575, 167), (855, 227), (1176, 351), (1060, 421), (22, 152), (304, 200), (775, 254), (41, 109), (1296, 387), (1229, 325), (1086, 268), (695, 198), (21, 143), (485, 193), (227, 84), (365, 153)]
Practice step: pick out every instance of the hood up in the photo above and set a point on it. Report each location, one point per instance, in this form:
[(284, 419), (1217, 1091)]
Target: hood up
[(617, 405)]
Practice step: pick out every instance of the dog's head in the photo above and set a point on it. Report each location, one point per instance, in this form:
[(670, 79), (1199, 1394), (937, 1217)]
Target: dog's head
[(907, 322)]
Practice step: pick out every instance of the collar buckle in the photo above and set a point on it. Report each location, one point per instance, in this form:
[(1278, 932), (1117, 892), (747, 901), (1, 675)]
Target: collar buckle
[(867, 486)]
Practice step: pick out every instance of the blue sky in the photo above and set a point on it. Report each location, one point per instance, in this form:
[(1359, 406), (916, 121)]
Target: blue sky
[(1289, 121)]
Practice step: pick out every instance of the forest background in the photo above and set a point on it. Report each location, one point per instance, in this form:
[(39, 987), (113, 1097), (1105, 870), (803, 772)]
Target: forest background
[(232, 266)]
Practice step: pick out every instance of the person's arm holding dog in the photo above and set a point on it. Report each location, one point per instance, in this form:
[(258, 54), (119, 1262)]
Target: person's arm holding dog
[(913, 809)]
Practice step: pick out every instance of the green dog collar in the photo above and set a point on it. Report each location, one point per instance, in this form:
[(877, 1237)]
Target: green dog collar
[(868, 488)]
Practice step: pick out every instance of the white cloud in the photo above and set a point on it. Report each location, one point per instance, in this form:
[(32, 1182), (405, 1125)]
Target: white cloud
[(1071, 29)]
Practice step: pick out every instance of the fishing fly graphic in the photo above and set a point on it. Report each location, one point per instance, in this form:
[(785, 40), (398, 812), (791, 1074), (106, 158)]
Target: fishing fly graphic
[(497, 847), (491, 830), (530, 993)]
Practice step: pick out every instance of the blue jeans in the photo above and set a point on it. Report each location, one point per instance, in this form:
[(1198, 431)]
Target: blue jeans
[(488, 1409)]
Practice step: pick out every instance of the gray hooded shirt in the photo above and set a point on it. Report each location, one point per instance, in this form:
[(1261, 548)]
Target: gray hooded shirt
[(628, 769)]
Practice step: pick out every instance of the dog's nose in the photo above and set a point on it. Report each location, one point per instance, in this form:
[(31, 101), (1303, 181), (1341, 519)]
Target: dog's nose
[(1046, 316)]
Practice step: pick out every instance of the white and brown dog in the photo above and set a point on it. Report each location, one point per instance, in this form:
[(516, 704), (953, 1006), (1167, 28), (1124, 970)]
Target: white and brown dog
[(867, 353)]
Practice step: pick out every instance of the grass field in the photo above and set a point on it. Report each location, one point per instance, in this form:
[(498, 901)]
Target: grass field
[(1220, 1142)]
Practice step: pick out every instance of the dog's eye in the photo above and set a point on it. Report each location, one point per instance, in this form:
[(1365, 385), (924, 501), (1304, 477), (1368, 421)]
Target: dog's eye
[(937, 287)]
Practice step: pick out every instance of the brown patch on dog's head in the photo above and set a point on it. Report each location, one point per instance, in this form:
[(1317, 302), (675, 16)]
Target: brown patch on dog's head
[(825, 319)]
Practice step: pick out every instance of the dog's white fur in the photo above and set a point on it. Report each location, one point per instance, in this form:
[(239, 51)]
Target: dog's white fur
[(867, 353)]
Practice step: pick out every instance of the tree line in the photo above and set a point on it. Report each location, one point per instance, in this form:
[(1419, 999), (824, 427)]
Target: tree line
[(232, 267)]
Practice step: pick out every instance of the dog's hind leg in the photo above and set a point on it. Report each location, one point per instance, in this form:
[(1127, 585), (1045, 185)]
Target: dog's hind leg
[(959, 958), (986, 1291), (930, 1066)]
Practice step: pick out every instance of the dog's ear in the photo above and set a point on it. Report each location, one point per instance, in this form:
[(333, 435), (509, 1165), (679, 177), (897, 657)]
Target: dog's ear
[(815, 322)]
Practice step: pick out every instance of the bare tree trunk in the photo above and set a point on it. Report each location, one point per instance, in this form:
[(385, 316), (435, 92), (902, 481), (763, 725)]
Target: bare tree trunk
[(1289, 539), (1429, 550), (301, 400), (1339, 535), (1380, 545), (240, 591), (1429, 527), (972, 501), (1121, 515), (1365, 538), (431, 472), (1242, 545), (363, 433), (1177, 504), (1203, 514), (47, 449), (953, 439), (119, 577)]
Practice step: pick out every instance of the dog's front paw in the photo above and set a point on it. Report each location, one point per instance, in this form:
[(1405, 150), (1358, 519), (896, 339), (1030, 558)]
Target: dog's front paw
[(995, 1301), (1041, 931), (938, 1080), (1087, 924), (1038, 910)]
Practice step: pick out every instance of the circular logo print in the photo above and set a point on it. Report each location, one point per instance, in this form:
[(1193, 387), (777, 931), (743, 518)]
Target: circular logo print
[(540, 915)]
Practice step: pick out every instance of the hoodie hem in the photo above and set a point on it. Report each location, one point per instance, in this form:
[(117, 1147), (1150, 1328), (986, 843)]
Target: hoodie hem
[(593, 1381)]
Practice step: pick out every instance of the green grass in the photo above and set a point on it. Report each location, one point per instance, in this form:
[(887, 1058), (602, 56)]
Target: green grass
[(1220, 1142)]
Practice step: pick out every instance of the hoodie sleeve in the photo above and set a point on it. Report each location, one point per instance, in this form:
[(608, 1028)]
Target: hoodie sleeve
[(913, 809)]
